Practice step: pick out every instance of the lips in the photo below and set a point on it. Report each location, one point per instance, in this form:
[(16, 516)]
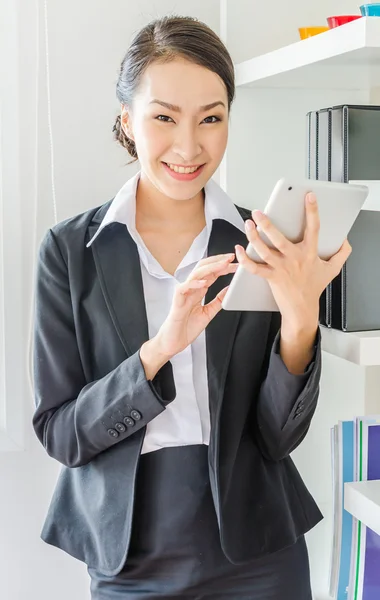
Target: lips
[(183, 166), (183, 176)]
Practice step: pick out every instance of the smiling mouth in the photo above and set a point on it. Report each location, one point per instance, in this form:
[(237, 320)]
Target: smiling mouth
[(181, 169)]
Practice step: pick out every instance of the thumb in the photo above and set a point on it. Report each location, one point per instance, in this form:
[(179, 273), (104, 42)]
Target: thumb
[(212, 308)]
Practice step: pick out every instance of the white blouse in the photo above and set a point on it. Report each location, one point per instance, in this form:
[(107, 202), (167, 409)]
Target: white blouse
[(186, 420)]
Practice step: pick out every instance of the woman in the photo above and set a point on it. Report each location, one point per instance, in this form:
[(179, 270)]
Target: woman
[(174, 420)]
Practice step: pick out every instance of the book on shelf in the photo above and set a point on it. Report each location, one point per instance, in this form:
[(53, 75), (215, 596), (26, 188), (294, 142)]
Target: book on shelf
[(355, 552)]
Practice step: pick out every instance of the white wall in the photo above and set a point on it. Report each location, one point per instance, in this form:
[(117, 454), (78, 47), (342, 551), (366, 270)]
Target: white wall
[(87, 42)]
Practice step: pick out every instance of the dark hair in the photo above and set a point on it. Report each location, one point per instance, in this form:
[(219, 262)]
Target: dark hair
[(164, 40)]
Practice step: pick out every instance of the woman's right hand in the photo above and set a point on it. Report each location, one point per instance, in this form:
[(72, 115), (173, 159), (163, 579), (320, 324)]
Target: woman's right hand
[(188, 317)]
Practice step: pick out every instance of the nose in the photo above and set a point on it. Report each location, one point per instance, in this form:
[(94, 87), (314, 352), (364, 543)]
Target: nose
[(187, 144)]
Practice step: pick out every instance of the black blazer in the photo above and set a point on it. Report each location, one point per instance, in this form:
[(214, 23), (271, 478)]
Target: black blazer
[(90, 323)]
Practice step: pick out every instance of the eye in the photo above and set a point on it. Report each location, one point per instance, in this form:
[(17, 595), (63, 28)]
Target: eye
[(213, 117), (163, 117)]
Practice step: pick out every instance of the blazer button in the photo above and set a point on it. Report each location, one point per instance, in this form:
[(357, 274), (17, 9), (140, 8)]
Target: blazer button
[(128, 421), (120, 427), (136, 415), (113, 433)]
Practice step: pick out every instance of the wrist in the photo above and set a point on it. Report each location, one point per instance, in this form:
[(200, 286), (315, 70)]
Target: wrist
[(152, 357), (301, 328), (299, 334), (297, 347)]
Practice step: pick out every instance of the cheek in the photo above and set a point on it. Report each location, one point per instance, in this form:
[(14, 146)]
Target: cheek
[(217, 142), (153, 138)]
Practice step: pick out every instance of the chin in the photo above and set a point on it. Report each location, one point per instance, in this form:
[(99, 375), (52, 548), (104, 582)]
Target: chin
[(186, 192), (182, 190)]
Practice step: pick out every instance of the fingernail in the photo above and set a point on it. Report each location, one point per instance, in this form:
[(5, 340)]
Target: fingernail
[(249, 225), (311, 198), (258, 214)]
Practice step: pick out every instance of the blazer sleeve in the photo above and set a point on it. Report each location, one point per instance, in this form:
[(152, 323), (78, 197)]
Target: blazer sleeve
[(286, 402), (75, 420)]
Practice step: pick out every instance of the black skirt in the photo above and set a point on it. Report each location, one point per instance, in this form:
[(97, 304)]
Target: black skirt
[(175, 549)]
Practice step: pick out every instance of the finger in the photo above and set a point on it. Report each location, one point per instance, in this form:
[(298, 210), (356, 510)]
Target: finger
[(230, 268), (336, 262), (209, 280), (250, 265), (209, 269), (267, 254), (212, 308), (217, 257), (312, 227), (192, 285), (188, 288), (278, 240)]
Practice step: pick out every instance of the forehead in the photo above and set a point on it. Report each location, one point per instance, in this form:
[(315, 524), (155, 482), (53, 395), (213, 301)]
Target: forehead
[(183, 83)]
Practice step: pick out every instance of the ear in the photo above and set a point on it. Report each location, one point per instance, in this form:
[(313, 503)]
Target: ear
[(126, 121)]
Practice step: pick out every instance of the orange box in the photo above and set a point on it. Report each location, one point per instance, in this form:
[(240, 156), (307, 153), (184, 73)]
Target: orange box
[(306, 32)]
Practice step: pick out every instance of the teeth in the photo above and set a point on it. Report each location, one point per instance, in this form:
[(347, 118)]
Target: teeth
[(182, 169)]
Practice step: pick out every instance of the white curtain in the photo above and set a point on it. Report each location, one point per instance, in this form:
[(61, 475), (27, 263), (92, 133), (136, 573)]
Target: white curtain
[(18, 120)]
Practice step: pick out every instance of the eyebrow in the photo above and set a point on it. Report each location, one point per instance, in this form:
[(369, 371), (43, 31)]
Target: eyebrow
[(175, 108)]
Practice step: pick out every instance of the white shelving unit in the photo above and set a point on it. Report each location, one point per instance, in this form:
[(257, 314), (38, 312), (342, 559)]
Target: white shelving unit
[(346, 58), (362, 500), (267, 139), (343, 58), (360, 347)]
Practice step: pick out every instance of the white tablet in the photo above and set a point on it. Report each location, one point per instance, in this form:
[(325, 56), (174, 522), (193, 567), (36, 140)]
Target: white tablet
[(339, 205)]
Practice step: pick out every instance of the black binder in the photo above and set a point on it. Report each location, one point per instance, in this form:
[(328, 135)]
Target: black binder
[(312, 144), (355, 155), (347, 148), (319, 160), (324, 174)]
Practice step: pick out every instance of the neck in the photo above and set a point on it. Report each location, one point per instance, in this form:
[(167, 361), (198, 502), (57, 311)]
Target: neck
[(159, 211)]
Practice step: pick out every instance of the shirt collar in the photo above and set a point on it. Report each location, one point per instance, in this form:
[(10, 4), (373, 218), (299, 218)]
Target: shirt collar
[(218, 205)]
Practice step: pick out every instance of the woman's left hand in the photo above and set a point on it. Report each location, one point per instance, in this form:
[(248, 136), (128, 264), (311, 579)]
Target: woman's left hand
[(295, 273)]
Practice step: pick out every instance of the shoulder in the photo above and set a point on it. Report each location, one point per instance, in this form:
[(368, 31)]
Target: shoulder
[(71, 234), (79, 222)]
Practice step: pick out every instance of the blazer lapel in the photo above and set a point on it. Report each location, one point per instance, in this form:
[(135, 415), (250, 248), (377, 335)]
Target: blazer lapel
[(221, 331), (118, 267)]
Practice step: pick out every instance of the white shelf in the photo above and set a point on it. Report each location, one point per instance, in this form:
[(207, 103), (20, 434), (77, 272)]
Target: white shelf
[(362, 500), (359, 347), (347, 57)]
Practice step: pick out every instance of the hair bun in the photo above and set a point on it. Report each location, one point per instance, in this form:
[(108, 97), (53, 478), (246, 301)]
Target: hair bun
[(123, 139)]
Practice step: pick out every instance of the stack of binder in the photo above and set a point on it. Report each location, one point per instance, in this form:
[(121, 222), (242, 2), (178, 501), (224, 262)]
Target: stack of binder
[(344, 145), (355, 555)]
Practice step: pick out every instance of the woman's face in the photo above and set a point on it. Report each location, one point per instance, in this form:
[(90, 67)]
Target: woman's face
[(183, 134)]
